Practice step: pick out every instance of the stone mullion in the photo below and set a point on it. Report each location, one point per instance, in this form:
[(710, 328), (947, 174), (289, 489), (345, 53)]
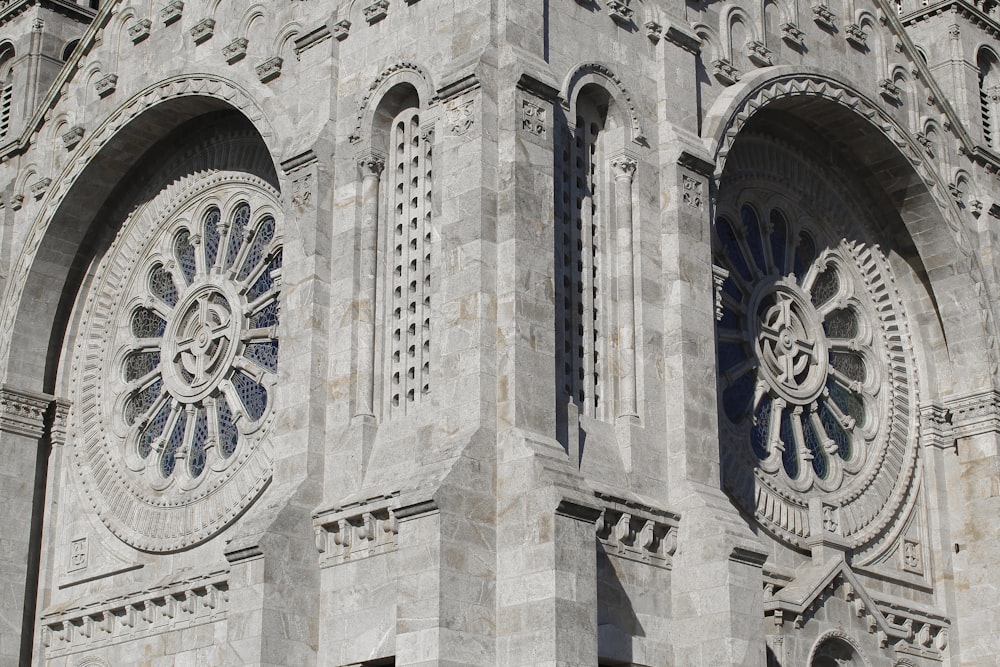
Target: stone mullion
[(624, 169), (371, 170)]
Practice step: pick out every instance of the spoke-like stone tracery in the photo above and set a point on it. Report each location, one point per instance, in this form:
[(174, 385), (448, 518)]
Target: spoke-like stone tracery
[(810, 409), (194, 365)]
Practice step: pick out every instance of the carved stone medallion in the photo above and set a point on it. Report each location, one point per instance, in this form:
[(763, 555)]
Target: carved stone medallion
[(176, 362)]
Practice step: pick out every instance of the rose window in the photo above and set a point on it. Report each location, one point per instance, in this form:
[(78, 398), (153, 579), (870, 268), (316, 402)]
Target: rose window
[(192, 367), (813, 374)]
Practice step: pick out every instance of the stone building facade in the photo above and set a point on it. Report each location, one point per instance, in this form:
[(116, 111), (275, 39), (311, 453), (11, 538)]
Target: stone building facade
[(573, 332)]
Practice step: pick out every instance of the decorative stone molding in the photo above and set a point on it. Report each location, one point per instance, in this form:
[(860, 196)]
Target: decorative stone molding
[(975, 414), (172, 11), (72, 137), (235, 50), (936, 427), (692, 192), (355, 531), (311, 39), (792, 34), (39, 187), (908, 626), (620, 11), (637, 532), (203, 30), (719, 276), (624, 97), (394, 69), (759, 54), (824, 16), (23, 412), (93, 623), (460, 115), (341, 29), (375, 11), (106, 85), (139, 30), (269, 69), (856, 36), (533, 118), (725, 72), (683, 37)]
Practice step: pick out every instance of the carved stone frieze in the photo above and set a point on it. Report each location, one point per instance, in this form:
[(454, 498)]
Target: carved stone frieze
[(358, 530), (23, 412), (975, 414), (103, 621)]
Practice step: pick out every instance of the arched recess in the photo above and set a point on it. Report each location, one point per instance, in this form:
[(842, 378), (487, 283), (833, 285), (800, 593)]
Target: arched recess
[(911, 189), (621, 108), (55, 256), (836, 649)]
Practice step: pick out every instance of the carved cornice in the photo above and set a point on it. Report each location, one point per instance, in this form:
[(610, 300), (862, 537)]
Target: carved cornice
[(936, 426), (192, 601), (23, 412), (9, 9), (635, 531), (975, 414), (358, 530)]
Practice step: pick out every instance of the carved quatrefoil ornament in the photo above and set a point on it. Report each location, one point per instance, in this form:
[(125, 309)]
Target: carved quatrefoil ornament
[(176, 363), (817, 391)]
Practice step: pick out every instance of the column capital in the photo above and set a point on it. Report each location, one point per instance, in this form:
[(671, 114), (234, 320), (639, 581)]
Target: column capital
[(624, 166), (371, 164)]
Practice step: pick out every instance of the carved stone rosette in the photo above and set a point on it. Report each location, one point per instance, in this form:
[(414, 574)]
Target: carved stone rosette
[(817, 389), (175, 367)]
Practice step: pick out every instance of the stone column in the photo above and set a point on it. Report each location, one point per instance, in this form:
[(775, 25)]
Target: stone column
[(623, 167), (22, 471), (371, 169)]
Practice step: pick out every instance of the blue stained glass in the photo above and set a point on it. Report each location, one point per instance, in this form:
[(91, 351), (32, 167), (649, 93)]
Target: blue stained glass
[(153, 430), (265, 317), (142, 401), (753, 237), (730, 354), (814, 445), (736, 398), (850, 364), (265, 281), (805, 253), (263, 353), (161, 284), (841, 323), (184, 250), (760, 429), (779, 240), (196, 457), (139, 364), (848, 402), (264, 235), (732, 247), (835, 431), (229, 437), (147, 324), (252, 394), (790, 457), (825, 287), (211, 236), (169, 459), (240, 219)]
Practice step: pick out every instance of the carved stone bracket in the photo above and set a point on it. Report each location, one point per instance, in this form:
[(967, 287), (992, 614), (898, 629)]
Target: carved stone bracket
[(376, 11), (856, 36), (792, 34), (189, 602), (975, 414), (203, 30), (23, 412), (889, 90), (620, 11), (824, 16), (172, 11), (72, 137), (725, 71), (637, 532), (235, 50), (39, 187), (139, 30), (759, 54), (359, 530), (341, 29), (106, 85), (269, 69)]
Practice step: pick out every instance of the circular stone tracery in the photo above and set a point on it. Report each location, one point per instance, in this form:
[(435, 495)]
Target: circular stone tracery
[(191, 282), (816, 389)]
